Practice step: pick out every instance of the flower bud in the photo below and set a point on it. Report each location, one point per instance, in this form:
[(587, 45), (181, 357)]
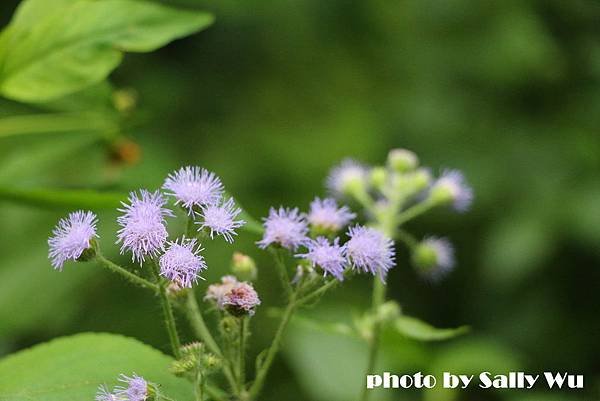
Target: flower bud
[(433, 257), (388, 311), (244, 267), (125, 100), (452, 188), (402, 160), (378, 177)]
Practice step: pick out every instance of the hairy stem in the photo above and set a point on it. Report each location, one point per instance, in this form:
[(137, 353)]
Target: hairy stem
[(282, 270), (261, 374), (168, 313), (242, 352), (316, 293), (414, 211), (133, 278)]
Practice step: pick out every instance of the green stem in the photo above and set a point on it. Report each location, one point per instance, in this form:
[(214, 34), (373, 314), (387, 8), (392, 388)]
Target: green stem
[(216, 393), (414, 211), (407, 238), (168, 313), (200, 386), (135, 279), (201, 329), (321, 290), (242, 353), (377, 300), (261, 375), (282, 269)]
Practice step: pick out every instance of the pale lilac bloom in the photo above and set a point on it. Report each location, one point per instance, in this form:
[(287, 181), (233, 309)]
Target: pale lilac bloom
[(285, 227), (104, 394), (345, 175), (444, 257), (71, 237), (460, 192), (370, 251), (241, 299), (221, 219), (325, 214), (329, 257), (135, 389), (194, 187), (217, 292), (182, 263), (143, 230)]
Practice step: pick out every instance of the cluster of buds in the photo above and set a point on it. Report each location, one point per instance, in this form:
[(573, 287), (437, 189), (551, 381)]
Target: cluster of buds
[(194, 358)]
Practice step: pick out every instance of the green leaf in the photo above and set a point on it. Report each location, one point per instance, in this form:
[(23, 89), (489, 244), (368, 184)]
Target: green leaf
[(56, 47), (72, 368), (418, 330), (47, 198)]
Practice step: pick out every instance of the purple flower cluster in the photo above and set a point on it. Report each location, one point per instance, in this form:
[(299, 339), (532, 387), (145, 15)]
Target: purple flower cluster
[(134, 388), (285, 227), (220, 219), (143, 231), (182, 263), (370, 251), (443, 260), (325, 214), (331, 257), (238, 297), (454, 184), (71, 237), (343, 178), (194, 187)]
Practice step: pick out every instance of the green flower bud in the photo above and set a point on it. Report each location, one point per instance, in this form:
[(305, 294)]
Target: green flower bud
[(402, 160), (378, 177), (388, 311), (244, 267), (424, 256)]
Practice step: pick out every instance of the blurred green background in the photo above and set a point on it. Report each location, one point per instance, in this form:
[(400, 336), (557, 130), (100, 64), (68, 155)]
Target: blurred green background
[(274, 94)]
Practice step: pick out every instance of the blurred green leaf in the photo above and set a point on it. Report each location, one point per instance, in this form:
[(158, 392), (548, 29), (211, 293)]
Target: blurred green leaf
[(56, 123), (49, 198), (419, 330), (72, 368), (56, 47)]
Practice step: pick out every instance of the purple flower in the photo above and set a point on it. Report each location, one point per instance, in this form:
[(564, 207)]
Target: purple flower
[(285, 227), (143, 230), (242, 299), (330, 257), (217, 292), (435, 257), (325, 214), (135, 389), (194, 186), (345, 177), (453, 187), (220, 219), (71, 237), (182, 262), (370, 251), (104, 394)]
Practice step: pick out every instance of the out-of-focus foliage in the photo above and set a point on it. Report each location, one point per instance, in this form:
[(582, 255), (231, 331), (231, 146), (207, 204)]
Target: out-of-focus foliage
[(70, 368), (270, 97)]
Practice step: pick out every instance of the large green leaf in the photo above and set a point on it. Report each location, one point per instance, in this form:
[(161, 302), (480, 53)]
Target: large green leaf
[(419, 330), (56, 47), (56, 122), (71, 368)]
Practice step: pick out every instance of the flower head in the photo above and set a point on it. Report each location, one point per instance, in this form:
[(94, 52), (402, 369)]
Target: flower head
[(182, 263), (329, 257), (324, 214), (434, 257), (194, 186), (221, 219), (285, 227), (104, 394), (135, 388), (217, 292), (143, 230), (71, 237), (370, 251), (452, 187), (347, 177), (242, 299), (237, 297)]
